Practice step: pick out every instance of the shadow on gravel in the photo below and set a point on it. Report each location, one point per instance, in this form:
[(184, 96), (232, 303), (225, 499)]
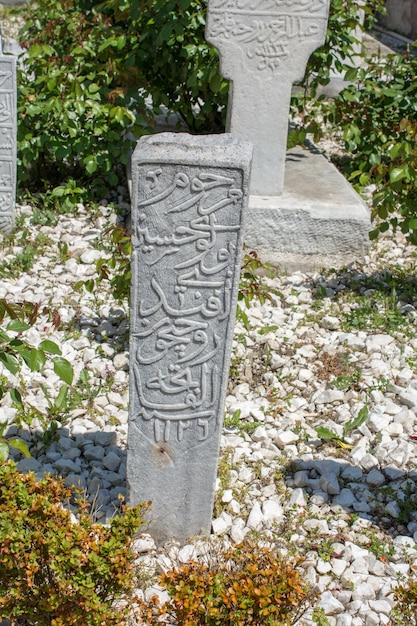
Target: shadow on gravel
[(93, 462), (384, 498), (112, 328), (398, 285)]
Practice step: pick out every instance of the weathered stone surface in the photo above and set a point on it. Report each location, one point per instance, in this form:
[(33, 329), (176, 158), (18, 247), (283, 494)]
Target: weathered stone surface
[(189, 196), (8, 125), (264, 46)]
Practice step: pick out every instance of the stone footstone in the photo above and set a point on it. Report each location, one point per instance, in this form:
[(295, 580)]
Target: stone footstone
[(189, 200), (318, 221)]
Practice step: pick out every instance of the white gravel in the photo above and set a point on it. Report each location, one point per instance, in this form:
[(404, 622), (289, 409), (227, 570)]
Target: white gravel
[(349, 506)]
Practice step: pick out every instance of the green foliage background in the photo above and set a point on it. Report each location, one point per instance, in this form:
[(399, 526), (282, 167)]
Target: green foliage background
[(94, 78), (96, 74)]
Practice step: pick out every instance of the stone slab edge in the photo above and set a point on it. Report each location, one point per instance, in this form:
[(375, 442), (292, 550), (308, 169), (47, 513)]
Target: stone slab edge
[(318, 221)]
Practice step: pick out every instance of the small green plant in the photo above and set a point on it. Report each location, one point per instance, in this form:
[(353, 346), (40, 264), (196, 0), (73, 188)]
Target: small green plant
[(15, 351), (324, 549), (45, 439), (319, 617), (223, 473), (407, 504), (251, 285), (246, 584), (85, 392), (232, 422), (338, 369), (381, 549), (249, 427), (58, 571), (347, 381), (23, 261), (404, 612), (379, 312), (326, 434), (116, 269)]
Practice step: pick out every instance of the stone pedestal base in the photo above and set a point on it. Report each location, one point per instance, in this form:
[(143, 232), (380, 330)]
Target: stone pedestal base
[(318, 221)]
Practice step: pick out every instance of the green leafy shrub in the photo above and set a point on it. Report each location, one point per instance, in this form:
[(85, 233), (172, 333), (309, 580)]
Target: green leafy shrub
[(246, 584), (180, 68), (378, 118), (84, 83), (347, 18), (78, 98), (55, 571), (96, 73)]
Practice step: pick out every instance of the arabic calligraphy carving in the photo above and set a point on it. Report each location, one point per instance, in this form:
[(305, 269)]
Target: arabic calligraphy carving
[(270, 6), (6, 174), (265, 29), (185, 240)]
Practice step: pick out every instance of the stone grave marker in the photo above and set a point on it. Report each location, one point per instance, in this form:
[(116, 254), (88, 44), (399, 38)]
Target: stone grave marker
[(8, 126), (264, 46), (188, 209)]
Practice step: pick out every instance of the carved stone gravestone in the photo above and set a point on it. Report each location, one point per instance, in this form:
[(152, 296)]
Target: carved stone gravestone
[(264, 46), (189, 199), (7, 141)]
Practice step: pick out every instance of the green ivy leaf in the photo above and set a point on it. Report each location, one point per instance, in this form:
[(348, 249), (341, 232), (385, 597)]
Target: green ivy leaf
[(4, 451), (357, 421), (18, 345), (412, 224), (326, 433), (36, 360), (351, 75), (397, 174), (63, 369), (16, 396), (90, 164), (61, 398), (89, 285), (17, 326), (19, 444), (9, 362), (4, 337), (50, 346)]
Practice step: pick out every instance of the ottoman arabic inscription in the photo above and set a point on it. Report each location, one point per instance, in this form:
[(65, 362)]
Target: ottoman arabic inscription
[(185, 242)]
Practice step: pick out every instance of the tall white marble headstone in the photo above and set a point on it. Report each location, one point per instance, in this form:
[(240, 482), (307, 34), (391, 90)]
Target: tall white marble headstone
[(264, 46), (8, 126), (188, 210)]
